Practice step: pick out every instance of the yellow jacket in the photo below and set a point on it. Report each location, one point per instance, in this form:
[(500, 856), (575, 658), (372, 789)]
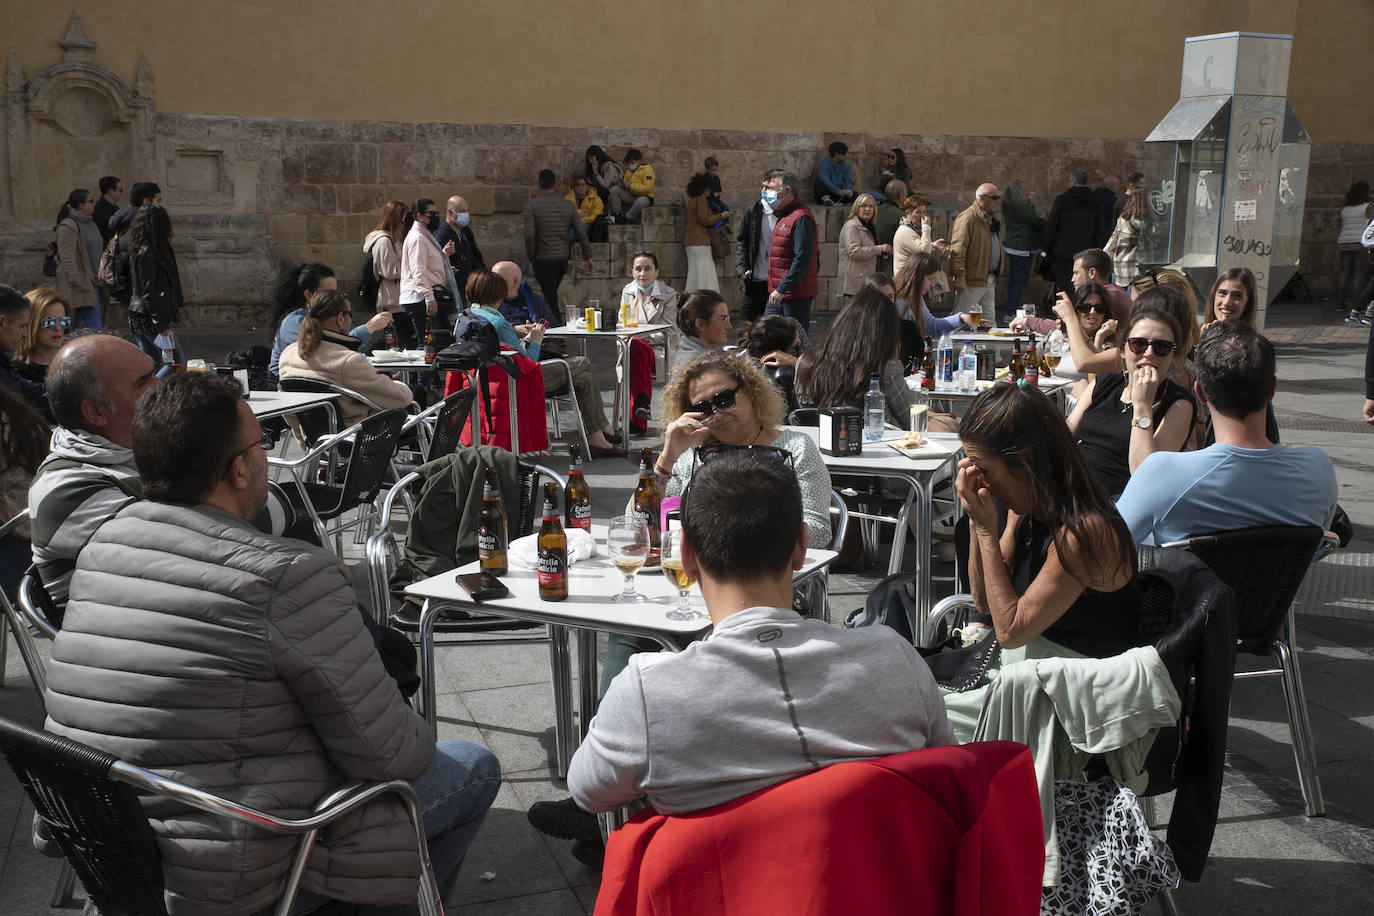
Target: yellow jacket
[(590, 208), (640, 182)]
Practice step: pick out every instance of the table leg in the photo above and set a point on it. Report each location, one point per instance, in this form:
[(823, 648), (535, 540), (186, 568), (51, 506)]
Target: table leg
[(924, 521), (429, 615), (514, 424), (560, 666), (590, 682), (622, 391)]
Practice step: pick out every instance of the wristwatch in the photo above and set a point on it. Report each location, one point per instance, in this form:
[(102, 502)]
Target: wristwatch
[(1144, 422)]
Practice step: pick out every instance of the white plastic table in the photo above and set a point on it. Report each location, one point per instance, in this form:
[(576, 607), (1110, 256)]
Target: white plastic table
[(588, 609), (919, 473), (622, 337), (276, 403), (1056, 389)]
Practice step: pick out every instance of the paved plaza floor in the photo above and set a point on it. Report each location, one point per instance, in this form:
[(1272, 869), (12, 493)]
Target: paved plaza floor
[(1267, 856)]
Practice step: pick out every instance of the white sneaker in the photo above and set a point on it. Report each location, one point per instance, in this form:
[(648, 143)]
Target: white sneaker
[(1356, 318)]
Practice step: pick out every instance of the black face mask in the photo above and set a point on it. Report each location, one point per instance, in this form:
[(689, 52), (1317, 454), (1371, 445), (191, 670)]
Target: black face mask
[(432, 222)]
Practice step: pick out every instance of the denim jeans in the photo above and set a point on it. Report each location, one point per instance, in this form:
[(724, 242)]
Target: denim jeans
[(455, 790), (800, 309), (87, 316), (1016, 283)]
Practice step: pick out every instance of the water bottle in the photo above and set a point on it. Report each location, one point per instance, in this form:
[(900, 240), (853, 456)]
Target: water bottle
[(944, 363), (875, 411), (968, 368)]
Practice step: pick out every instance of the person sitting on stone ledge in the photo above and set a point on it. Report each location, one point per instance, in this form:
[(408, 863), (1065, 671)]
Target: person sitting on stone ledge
[(834, 184), (635, 192), (590, 209), (296, 287)]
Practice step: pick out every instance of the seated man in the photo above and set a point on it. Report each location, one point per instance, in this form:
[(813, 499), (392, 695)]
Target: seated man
[(834, 184), (770, 695), (635, 191), (93, 384), (279, 693), (1242, 481)]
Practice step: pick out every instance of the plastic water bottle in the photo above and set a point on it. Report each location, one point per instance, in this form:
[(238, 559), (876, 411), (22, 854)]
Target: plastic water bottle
[(875, 411), (944, 363), (968, 369)]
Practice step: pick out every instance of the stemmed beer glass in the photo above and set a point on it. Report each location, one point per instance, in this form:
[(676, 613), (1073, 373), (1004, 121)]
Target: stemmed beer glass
[(627, 542), (671, 553)]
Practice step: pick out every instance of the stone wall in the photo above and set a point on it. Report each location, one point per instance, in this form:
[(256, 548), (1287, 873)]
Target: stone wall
[(251, 194)]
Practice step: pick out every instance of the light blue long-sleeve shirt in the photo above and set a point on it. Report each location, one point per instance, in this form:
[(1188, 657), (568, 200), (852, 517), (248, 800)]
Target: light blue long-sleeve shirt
[(506, 334), (834, 175), (290, 329)]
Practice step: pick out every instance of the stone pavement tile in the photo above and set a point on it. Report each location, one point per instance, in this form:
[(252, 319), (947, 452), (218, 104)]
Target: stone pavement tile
[(1348, 827), (1259, 728), (1325, 639), (556, 903), (455, 722), (516, 724), (540, 787), (480, 667), (587, 894), (508, 848), (27, 882)]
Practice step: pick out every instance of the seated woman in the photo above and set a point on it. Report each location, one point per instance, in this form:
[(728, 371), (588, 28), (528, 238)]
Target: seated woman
[(1123, 416), (590, 209), (651, 302), (485, 293), (703, 320), (324, 350), (49, 322), (914, 284), (863, 342), (774, 341), (1092, 316), (1057, 579)]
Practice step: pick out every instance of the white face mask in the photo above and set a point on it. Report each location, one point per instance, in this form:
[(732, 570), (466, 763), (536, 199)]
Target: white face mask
[(645, 287)]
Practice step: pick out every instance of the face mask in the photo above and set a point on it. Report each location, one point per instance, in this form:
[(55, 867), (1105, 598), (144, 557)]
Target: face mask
[(770, 198), (645, 287), (461, 219), (432, 222), (632, 167)]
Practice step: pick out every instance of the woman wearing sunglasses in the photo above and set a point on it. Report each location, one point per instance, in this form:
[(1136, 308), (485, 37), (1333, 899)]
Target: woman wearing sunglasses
[(1123, 416), (49, 323), (1091, 315)]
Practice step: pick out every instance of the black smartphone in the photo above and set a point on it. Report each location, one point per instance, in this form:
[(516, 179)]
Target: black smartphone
[(483, 586)]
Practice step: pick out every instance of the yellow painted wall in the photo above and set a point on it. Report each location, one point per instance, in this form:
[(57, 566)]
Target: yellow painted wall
[(1049, 68)]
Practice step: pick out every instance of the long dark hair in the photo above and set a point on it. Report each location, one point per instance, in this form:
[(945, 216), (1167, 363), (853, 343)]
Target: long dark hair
[(1358, 194), (909, 281), (150, 228), (24, 434), (81, 195), (1027, 430), (1247, 280), (698, 184), (293, 284), (863, 338), (770, 333), (601, 159)]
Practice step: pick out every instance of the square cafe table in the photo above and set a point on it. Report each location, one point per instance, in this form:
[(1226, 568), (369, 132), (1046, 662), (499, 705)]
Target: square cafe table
[(588, 609), (919, 472), (266, 404), (622, 337)]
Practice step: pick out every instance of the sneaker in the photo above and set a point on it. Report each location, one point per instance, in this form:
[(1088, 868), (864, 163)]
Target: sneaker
[(564, 820), (1356, 318), (827, 200)]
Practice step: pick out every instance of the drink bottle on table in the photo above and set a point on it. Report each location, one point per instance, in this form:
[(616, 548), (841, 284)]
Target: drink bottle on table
[(553, 550), (968, 368), (944, 363), (875, 411), (928, 367), (1015, 368), (491, 528), (1031, 363), (577, 496), (645, 503)]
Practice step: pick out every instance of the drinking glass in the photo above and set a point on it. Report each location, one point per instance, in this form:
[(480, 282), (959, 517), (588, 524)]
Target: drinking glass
[(627, 543), (671, 542)]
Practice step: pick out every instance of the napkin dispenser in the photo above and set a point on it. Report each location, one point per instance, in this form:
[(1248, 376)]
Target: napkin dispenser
[(841, 431)]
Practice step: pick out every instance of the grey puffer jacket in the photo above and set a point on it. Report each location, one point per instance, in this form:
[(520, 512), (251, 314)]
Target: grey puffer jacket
[(198, 647)]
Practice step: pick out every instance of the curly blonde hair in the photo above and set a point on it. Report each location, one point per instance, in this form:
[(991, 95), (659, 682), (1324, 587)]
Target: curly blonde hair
[(768, 403)]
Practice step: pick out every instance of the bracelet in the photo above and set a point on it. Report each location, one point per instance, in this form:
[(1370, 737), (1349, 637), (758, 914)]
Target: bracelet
[(659, 472)]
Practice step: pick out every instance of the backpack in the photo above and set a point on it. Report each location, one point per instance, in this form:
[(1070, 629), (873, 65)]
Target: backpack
[(108, 274), (50, 260), (370, 284), (475, 345)]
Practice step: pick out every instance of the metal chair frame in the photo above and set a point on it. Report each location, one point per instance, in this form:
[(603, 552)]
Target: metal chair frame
[(555, 402), (124, 777)]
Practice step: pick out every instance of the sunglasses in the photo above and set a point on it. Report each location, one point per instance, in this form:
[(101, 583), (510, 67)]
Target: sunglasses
[(992, 196), (268, 441), (719, 402), (64, 323), (1139, 345), (1084, 308), (703, 455)]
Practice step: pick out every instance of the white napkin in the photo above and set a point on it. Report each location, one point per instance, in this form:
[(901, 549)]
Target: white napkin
[(524, 552)]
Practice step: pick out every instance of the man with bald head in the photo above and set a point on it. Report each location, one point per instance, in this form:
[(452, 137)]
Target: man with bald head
[(523, 307), (975, 253), (465, 256), (94, 382)]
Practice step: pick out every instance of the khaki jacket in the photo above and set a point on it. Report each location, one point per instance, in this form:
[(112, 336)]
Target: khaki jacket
[(342, 364), (75, 274), (970, 247)]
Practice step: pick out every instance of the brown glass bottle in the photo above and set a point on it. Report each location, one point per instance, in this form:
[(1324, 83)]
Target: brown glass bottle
[(429, 351), (491, 528), (1030, 363), (553, 550), (577, 496), (928, 368), (645, 503), (1015, 368)]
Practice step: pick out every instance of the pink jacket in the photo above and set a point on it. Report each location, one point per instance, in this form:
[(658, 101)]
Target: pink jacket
[(422, 266)]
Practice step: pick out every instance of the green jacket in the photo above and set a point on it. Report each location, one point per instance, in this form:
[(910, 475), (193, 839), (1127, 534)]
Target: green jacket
[(1024, 227)]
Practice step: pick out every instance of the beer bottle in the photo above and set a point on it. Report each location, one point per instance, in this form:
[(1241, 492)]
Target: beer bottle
[(646, 502), (429, 347), (577, 496), (1015, 368), (553, 550), (928, 368), (491, 528), (1031, 363)]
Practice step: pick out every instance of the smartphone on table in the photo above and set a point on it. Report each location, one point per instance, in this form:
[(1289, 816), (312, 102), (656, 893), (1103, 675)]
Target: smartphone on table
[(483, 586)]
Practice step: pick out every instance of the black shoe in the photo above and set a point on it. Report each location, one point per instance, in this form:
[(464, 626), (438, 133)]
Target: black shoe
[(591, 853), (564, 820)]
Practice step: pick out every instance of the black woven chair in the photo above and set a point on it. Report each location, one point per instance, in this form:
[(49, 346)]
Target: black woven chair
[(371, 445), (317, 423), (449, 416), (1265, 567), (89, 799)]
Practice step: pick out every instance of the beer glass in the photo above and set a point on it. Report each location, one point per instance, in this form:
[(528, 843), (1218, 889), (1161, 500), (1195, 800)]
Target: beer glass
[(673, 571), (627, 543)]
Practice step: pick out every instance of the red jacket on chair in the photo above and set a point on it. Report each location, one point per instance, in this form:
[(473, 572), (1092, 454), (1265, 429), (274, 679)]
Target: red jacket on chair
[(946, 831), (529, 406)]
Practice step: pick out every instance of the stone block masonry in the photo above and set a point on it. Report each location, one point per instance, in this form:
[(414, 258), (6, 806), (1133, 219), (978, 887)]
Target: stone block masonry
[(296, 190)]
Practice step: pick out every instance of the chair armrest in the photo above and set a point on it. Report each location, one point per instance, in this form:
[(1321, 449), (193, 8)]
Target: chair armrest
[(378, 573), (946, 612), (324, 445)]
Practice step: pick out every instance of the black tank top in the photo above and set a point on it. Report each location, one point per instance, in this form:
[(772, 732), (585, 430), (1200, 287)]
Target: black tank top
[(1098, 624), (1104, 430)]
